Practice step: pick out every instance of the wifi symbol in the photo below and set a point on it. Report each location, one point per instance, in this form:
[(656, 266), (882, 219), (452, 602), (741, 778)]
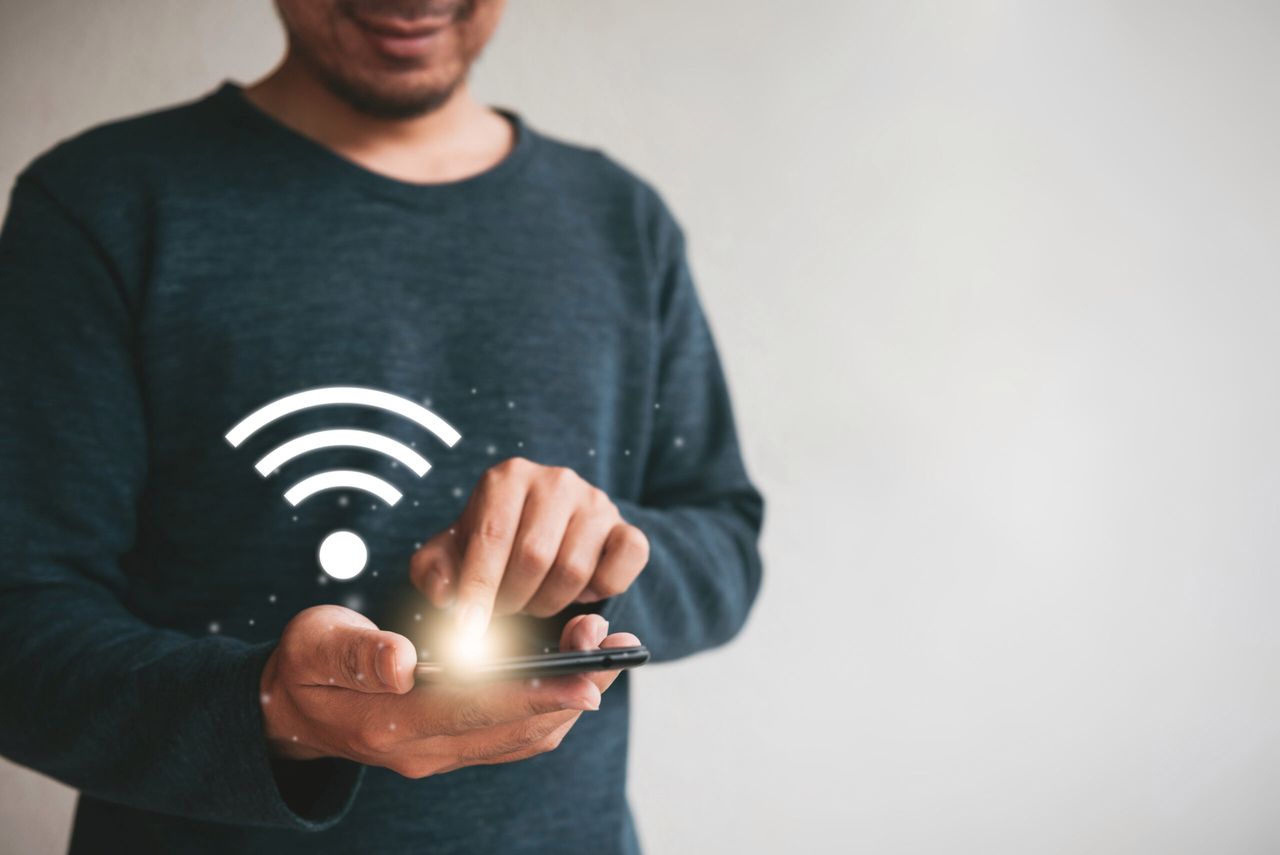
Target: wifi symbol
[(342, 553)]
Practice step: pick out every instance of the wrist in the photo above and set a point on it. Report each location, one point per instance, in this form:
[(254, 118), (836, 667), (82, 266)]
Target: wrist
[(283, 724)]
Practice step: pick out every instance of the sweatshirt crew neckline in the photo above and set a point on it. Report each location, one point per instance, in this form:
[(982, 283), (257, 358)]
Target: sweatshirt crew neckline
[(231, 96)]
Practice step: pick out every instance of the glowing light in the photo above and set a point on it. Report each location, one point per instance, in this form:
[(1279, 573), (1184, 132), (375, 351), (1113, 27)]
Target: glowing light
[(470, 649), (461, 651)]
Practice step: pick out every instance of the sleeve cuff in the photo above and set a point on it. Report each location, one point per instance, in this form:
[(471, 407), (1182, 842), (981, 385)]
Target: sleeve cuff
[(309, 795)]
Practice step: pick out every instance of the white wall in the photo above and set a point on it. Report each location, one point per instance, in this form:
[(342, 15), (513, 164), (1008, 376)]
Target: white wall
[(998, 286)]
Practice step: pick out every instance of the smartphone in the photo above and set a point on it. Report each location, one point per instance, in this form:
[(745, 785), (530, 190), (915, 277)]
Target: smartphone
[(539, 665)]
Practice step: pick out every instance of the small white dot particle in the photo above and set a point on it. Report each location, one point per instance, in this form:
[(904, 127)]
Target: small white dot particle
[(294, 737), (473, 390), (511, 405), (215, 627), (330, 679), (343, 501), (322, 579), (265, 697), (520, 444), (457, 492), (271, 598), (415, 503), (657, 406), (453, 531), (626, 452), (426, 402), (375, 574), (373, 507), (391, 726), (678, 442), (591, 452), (295, 517), (491, 450), (360, 677), (250, 621), (417, 616), (417, 544), (535, 682), (395, 465)]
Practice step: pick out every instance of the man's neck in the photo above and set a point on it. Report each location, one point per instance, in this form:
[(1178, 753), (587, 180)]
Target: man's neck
[(459, 139)]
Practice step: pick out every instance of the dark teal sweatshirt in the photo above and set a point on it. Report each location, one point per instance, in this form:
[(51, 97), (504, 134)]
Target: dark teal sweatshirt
[(164, 276)]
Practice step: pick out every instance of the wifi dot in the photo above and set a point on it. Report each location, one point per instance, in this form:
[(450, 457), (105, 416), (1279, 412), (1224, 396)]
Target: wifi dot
[(343, 554)]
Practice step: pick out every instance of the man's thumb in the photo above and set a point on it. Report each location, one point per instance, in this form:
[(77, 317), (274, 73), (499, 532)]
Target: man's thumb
[(352, 653)]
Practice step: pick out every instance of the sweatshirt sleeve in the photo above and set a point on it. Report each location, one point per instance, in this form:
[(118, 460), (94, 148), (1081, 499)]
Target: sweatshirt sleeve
[(698, 508), (89, 693)]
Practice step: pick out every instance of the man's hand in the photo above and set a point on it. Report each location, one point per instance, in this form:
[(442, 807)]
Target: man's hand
[(337, 686), (532, 539)]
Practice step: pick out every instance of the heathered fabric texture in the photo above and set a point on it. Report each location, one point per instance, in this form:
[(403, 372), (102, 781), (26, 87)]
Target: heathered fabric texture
[(162, 277)]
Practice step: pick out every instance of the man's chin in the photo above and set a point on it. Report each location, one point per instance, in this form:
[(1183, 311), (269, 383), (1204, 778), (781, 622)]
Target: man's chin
[(391, 102)]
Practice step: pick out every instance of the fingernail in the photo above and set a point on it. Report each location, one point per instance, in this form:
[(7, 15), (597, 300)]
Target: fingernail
[(581, 704), (377, 667), (588, 596), (603, 632), (471, 621), (443, 590)]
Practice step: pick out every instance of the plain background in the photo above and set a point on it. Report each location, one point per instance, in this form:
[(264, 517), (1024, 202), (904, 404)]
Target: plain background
[(997, 288)]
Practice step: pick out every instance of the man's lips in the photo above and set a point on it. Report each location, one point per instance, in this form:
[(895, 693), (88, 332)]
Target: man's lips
[(400, 38)]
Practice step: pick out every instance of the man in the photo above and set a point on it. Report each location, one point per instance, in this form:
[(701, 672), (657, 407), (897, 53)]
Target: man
[(356, 219)]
